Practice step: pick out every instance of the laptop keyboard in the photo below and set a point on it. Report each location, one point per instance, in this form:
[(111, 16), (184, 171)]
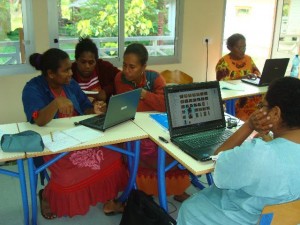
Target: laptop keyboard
[(207, 138), (95, 122)]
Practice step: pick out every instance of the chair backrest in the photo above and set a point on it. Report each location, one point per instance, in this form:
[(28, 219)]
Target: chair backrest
[(286, 213), (176, 77)]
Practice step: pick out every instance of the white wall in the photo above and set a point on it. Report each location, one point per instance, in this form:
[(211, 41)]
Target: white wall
[(201, 19)]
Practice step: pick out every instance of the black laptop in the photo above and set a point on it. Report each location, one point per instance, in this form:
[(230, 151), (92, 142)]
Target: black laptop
[(121, 108), (273, 69), (196, 118)]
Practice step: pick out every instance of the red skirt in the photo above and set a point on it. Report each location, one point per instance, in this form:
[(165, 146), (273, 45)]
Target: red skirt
[(83, 178), (177, 180)]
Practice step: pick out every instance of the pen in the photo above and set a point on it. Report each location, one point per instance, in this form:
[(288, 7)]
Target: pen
[(51, 135), (163, 139)]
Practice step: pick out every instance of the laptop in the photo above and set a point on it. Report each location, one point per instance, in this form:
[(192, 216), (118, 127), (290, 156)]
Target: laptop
[(196, 118), (273, 69), (121, 108)]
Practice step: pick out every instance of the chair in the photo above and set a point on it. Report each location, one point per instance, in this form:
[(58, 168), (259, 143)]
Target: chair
[(286, 213), (176, 77)]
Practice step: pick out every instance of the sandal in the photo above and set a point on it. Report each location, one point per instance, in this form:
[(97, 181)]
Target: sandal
[(113, 207), (45, 207), (182, 197)]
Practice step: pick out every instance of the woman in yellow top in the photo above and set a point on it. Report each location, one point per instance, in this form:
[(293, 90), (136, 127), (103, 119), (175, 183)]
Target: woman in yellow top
[(237, 65)]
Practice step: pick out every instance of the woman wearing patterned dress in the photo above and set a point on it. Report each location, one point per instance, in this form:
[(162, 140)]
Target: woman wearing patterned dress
[(237, 65), (81, 178)]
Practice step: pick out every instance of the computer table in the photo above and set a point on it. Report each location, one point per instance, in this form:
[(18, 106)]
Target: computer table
[(143, 120), (245, 90), (19, 156), (124, 132)]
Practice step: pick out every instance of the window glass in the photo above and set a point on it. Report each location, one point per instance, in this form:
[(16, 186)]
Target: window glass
[(151, 23), (255, 20), (12, 49), (93, 18), (114, 24), (289, 37)]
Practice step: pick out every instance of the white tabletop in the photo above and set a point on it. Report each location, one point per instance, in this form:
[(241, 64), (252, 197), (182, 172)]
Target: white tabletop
[(154, 130), (7, 156), (242, 89), (127, 131)]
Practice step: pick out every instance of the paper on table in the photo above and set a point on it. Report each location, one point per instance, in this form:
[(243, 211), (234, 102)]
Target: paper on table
[(70, 137), (231, 86)]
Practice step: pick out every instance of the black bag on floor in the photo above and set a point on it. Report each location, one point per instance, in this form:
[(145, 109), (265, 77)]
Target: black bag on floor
[(141, 209)]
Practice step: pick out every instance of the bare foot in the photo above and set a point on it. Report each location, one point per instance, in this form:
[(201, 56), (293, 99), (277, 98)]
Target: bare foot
[(45, 207), (113, 207)]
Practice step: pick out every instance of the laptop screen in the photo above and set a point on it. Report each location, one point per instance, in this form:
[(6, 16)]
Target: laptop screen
[(194, 107)]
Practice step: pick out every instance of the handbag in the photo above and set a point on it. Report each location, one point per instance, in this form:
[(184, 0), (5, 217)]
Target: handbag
[(141, 209), (26, 141)]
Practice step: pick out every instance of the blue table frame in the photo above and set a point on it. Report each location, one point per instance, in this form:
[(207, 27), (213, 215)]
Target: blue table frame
[(230, 106), (21, 176), (133, 161), (161, 177)]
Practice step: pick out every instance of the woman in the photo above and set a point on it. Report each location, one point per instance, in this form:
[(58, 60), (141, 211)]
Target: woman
[(250, 174), (74, 185), (92, 73), (135, 75), (237, 65)]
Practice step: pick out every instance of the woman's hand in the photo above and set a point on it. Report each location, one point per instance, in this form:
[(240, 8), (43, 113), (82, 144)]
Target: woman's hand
[(260, 122), (143, 93), (99, 107), (251, 76), (64, 105)]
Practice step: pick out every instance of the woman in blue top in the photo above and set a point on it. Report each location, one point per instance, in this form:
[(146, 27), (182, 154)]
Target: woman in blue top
[(250, 174), (82, 178)]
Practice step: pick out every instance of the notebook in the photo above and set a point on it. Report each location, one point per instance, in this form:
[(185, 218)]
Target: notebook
[(196, 118), (121, 108), (273, 69)]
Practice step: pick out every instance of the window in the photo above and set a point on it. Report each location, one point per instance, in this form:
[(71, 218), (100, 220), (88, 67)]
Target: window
[(255, 20), (114, 24), (287, 35), (16, 38)]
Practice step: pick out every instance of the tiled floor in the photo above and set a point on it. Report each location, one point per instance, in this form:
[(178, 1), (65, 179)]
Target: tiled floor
[(11, 212)]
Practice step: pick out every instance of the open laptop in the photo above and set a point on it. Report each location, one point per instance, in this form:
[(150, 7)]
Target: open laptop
[(273, 69), (121, 108), (196, 118)]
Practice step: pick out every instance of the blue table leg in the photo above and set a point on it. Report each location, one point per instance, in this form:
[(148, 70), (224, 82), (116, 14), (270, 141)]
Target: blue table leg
[(230, 106), (32, 178), (23, 190), (161, 179), (21, 176), (133, 171), (210, 179)]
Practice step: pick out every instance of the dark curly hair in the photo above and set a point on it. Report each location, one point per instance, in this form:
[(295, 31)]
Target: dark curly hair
[(139, 50), (49, 60), (233, 40), (285, 93), (86, 45)]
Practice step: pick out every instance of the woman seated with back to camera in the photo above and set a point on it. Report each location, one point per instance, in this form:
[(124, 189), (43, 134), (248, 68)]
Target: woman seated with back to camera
[(250, 174), (235, 66), (81, 178), (135, 75)]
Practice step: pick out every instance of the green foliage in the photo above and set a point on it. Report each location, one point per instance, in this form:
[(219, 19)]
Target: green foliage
[(99, 18)]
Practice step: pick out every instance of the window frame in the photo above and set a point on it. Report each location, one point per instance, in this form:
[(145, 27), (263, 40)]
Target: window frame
[(29, 41), (117, 61)]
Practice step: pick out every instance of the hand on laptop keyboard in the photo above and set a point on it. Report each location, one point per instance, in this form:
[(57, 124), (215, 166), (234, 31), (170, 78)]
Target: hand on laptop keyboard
[(251, 76)]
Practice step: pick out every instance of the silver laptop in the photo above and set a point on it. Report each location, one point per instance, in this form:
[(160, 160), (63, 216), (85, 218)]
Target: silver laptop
[(273, 69), (196, 118), (121, 108)]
